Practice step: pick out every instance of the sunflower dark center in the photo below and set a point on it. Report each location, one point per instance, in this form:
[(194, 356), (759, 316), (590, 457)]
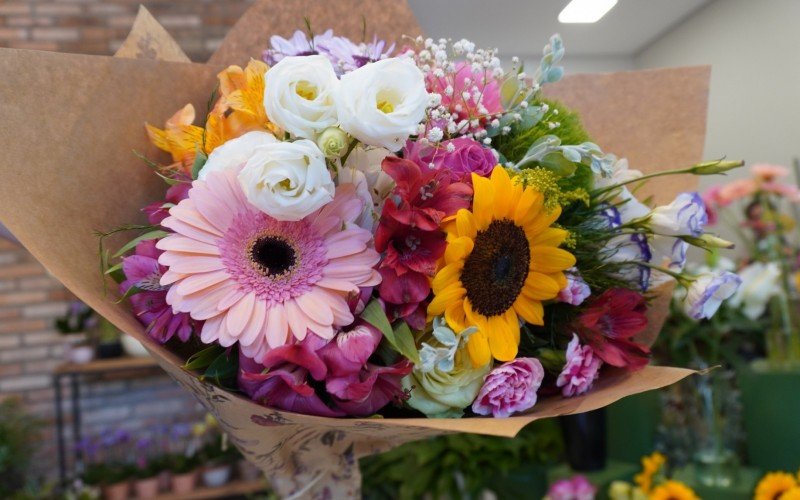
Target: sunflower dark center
[(273, 256), (496, 270)]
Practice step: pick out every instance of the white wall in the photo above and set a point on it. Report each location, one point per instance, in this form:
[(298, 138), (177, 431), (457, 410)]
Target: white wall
[(754, 50)]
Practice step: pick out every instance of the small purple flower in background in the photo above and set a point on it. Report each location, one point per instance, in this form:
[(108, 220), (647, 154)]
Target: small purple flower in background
[(580, 371), (576, 488), (510, 388), (707, 292), (576, 290), (297, 45), (686, 215), (347, 56)]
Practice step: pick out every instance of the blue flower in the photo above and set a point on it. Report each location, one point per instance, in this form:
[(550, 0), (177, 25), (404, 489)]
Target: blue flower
[(707, 292), (685, 216)]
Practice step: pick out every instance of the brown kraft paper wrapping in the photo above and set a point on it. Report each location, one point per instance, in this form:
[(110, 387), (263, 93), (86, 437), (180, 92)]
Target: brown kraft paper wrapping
[(67, 170)]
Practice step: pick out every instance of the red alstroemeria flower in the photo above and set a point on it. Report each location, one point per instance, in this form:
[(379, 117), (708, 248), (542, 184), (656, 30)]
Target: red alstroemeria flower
[(425, 197), (609, 322), (409, 249)]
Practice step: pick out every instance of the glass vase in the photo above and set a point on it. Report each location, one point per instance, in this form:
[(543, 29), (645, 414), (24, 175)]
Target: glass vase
[(783, 335)]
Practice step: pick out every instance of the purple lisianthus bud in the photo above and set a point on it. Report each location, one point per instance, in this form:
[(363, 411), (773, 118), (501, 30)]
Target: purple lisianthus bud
[(708, 291), (580, 371), (461, 157), (510, 388), (686, 215), (576, 290)]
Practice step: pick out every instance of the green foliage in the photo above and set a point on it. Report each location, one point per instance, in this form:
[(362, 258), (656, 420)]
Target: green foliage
[(433, 467), (19, 433), (514, 145), (216, 363)]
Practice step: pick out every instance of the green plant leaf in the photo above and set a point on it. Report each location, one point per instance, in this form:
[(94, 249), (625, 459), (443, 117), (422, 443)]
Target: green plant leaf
[(152, 235), (400, 338), (405, 342), (222, 369), (200, 160), (203, 359), (128, 293)]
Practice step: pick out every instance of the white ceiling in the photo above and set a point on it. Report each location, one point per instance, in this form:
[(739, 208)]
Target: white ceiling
[(522, 27)]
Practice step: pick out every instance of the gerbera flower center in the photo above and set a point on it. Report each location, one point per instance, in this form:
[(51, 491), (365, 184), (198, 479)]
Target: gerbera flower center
[(496, 270), (273, 256)]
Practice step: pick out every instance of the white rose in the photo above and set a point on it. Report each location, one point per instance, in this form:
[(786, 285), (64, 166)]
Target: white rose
[(287, 180), (368, 162), (760, 282), (382, 103), (299, 95), (234, 153)]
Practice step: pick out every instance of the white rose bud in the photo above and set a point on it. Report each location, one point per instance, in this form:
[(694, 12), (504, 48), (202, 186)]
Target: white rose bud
[(333, 142), (381, 103), (287, 180), (234, 153), (299, 95)]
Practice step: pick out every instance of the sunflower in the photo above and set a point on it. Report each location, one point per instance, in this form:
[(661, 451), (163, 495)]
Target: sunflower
[(651, 465), (502, 260), (793, 494), (773, 485), (673, 490)]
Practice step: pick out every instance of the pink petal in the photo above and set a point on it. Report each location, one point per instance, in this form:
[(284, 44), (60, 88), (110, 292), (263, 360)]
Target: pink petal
[(297, 320), (277, 326), (196, 282), (211, 327), (180, 243), (239, 314), (255, 327), (315, 308), (189, 264), (185, 229)]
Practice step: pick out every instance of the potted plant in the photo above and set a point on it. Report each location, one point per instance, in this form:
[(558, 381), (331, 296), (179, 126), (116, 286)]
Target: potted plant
[(183, 469), (108, 463), (78, 327), (108, 345), (18, 435), (218, 457), (182, 457), (146, 471)]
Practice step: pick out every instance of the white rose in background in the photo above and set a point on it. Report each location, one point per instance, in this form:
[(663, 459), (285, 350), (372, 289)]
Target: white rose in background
[(760, 282), (686, 215), (287, 180), (368, 161), (382, 103), (299, 95), (235, 152), (707, 292)]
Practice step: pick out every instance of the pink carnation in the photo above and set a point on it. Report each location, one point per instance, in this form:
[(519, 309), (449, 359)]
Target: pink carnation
[(576, 290), (580, 371), (510, 388), (767, 172)]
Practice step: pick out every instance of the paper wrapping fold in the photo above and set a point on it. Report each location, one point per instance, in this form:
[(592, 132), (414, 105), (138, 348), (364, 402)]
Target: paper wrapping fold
[(67, 169)]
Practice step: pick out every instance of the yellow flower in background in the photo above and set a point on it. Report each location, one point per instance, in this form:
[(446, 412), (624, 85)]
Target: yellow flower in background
[(793, 494), (179, 138), (773, 485), (502, 260), (673, 490), (651, 465)]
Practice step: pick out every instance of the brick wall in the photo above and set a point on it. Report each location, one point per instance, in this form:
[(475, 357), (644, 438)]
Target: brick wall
[(99, 26), (30, 299)]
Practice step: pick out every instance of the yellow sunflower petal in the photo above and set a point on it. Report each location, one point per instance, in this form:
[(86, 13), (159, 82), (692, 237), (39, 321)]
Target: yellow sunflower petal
[(551, 237), (559, 278), (442, 299), (455, 316), (478, 349), (465, 224), (551, 259), (529, 206), (448, 275), (540, 286), (501, 338), (513, 322), (531, 311), (458, 249), (503, 193), (483, 201), (541, 221)]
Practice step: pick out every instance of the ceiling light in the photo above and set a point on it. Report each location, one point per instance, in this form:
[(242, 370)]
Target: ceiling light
[(585, 11)]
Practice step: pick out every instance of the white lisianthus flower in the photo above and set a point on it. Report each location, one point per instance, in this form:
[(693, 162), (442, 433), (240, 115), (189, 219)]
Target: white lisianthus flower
[(382, 103), (299, 95), (446, 383), (620, 174), (287, 180), (235, 152), (685, 216), (760, 282), (707, 292), (369, 217), (368, 161)]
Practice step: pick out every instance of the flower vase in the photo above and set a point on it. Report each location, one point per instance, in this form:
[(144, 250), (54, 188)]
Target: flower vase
[(147, 487), (183, 484), (117, 491), (585, 440), (783, 336), (218, 475)]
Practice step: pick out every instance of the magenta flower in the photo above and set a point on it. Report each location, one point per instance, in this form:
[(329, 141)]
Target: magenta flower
[(510, 388), (158, 211), (143, 271), (580, 371), (460, 157), (576, 290), (576, 488)]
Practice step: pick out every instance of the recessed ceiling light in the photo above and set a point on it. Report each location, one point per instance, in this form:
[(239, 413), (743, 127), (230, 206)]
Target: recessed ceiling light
[(585, 11)]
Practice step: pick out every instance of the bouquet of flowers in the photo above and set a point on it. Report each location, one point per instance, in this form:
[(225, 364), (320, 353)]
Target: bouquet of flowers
[(362, 229)]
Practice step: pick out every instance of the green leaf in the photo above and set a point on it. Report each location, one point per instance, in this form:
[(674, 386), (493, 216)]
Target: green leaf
[(400, 338), (128, 293), (558, 164), (203, 359), (152, 235), (200, 160), (223, 368)]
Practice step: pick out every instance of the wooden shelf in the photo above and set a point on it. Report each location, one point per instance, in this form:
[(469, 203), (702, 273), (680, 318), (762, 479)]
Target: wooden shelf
[(231, 489), (107, 365)]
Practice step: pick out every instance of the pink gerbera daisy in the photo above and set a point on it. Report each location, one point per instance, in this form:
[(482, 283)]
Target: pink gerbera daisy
[(258, 281)]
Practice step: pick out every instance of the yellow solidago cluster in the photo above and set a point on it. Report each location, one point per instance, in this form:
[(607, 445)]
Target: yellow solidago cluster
[(546, 182), (238, 110)]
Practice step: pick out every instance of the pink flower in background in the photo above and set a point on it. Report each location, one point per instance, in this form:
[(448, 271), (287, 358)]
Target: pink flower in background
[(576, 290), (143, 271), (158, 211), (467, 93), (510, 388), (736, 190), (258, 281), (459, 157), (580, 371), (768, 172), (788, 191), (712, 200), (575, 488)]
